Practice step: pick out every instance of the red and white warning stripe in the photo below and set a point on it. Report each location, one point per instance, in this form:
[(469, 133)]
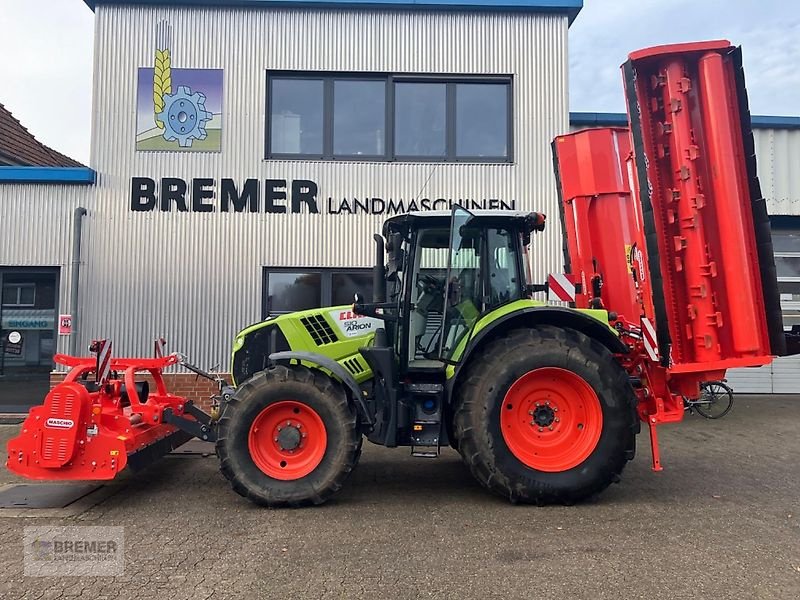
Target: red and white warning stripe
[(560, 288), (103, 350), (650, 340)]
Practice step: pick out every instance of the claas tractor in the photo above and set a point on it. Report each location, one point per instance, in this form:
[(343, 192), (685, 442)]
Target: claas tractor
[(669, 281)]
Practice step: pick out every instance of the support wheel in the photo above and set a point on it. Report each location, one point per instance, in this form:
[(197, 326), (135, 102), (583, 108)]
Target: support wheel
[(288, 437), (546, 416)]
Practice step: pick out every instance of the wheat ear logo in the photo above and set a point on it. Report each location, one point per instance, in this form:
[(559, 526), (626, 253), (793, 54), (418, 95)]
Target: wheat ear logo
[(162, 72), (177, 109)]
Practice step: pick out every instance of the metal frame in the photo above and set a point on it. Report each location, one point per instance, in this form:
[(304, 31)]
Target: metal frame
[(56, 272), (451, 81)]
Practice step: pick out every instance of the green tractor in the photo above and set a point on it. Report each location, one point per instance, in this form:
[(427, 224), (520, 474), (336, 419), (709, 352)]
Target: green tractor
[(452, 351)]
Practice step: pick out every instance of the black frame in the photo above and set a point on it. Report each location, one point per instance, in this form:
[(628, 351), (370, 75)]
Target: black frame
[(56, 272), (326, 283), (450, 81)]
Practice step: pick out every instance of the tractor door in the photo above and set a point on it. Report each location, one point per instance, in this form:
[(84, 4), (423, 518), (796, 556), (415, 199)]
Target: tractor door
[(464, 289)]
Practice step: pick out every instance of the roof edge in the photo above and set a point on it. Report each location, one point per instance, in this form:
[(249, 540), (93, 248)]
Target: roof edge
[(72, 175), (570, 7), (621, 119)]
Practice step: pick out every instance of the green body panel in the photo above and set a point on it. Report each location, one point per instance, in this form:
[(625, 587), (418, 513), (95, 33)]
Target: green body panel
[(490, 317), (344, 350)]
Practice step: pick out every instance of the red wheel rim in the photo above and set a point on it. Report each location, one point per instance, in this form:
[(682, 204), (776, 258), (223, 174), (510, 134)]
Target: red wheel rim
[(551, 419), (287, 440)]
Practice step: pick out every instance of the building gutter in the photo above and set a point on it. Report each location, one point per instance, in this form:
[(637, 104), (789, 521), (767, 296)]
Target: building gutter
[(77, 226)]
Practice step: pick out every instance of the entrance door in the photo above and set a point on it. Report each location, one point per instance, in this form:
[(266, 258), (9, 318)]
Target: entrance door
[(28, 308)]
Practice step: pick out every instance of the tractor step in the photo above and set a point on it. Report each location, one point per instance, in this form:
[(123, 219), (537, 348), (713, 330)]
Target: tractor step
[(425, 437)]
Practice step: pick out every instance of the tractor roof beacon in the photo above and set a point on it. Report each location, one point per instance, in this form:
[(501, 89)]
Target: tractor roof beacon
[(662, 222)]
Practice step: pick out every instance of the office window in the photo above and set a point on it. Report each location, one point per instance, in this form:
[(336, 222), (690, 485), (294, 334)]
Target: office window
[(420, 118), (296, 116), (359, 117), (481, 120), (290, 290), (389, 117), (19, 294)]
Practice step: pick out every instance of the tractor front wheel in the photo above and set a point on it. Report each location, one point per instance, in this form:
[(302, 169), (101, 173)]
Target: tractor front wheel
[(545, 416), (288, 437)]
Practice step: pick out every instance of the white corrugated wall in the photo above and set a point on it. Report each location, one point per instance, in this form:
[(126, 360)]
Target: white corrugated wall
[(37, 230), (778, 158), (196, 277)]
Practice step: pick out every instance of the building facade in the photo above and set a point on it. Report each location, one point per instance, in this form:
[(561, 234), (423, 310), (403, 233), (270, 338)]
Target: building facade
[(244, 152)]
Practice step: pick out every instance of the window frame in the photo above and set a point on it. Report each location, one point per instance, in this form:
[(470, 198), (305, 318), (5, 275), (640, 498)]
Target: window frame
[(19, 287), (451, 81), (326, 284), (786, 226)]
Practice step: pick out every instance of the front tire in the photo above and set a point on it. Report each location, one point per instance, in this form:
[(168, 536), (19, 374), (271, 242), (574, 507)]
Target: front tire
[(546, 416), (288, 437)]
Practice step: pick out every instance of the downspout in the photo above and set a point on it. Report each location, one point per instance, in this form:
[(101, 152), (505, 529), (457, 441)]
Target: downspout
[(77, 222)]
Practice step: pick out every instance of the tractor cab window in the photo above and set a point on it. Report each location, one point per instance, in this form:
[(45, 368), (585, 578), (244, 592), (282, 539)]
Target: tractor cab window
[(427, 297), (503, 267)]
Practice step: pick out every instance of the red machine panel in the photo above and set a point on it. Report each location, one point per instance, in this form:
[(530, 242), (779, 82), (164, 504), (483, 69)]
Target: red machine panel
[(714, 292), (604, 250)]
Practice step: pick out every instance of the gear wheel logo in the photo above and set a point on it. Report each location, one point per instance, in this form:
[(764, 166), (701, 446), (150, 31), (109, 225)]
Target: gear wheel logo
[(184, 116)]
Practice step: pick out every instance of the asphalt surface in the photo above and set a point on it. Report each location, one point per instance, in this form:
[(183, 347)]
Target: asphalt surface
[(722, 521)]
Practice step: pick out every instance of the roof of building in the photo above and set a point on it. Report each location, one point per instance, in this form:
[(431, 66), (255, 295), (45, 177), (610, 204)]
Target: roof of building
[(19, 147), (592, 119), (570, 7)]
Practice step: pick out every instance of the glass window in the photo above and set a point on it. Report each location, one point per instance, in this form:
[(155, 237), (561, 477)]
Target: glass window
[(481, 120), (420, 119), (19, 294), (345, 285), (359, 117), (503, 267), (296, 116), (788, 266), (10, 295), (289, 292), (27, 295)]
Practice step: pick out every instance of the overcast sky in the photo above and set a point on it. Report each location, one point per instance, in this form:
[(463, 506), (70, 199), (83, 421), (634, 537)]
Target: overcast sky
[(46, 50)]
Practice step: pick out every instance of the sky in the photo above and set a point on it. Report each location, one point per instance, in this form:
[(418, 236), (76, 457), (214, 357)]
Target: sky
[(46, 49)]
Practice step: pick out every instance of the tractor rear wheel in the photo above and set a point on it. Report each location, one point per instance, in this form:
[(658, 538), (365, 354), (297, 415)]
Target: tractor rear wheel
[(546, 416), (288, 437)]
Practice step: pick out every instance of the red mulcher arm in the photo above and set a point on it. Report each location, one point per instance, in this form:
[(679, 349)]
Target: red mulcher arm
[(666, 227), (91, 431)]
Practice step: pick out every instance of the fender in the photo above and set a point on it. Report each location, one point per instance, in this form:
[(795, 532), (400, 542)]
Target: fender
[(335, 368), (545, 315)]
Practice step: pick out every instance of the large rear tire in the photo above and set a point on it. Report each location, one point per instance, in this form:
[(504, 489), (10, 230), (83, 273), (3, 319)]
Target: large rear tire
[(288, 437), (546, 416)]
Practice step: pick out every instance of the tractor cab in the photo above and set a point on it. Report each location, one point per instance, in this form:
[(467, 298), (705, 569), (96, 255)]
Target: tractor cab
[(445, 271)]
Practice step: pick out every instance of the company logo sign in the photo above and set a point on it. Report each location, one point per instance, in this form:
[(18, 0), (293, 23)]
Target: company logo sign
[(279, 196), (54, 423), (353, 325)]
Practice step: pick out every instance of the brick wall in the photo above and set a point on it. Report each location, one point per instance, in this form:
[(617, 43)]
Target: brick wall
[(188, 385)]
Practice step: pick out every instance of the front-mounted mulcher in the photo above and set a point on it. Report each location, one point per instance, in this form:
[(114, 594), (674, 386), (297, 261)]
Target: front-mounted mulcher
[(667, 246)]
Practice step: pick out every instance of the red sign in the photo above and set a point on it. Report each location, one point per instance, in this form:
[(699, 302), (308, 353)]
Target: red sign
[(64, 324)]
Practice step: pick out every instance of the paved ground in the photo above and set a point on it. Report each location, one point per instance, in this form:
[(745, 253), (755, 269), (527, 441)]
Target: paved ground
[(723, 521)]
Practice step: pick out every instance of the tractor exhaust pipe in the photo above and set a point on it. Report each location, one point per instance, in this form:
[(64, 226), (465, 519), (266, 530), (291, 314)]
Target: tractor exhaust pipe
[(379, 271)]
